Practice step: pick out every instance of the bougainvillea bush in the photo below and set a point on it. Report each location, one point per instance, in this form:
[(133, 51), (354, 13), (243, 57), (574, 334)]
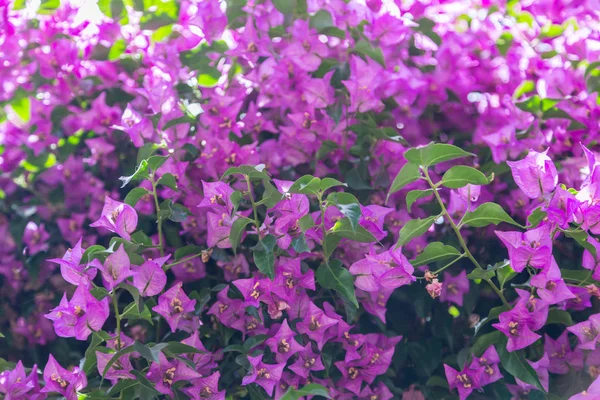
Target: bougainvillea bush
[(251, 199)]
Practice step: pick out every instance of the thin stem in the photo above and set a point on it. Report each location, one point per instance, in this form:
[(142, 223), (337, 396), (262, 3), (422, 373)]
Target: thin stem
[(448, 265), (168, 266), (322, 225), (462, 242), (253, 205), (115, 301), (158, 219)]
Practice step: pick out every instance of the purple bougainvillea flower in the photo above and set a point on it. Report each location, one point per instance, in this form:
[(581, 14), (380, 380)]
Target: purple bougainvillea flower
[(120, 369), (206, 388), (315, 323), (173, 305), (165, 373), (217, 197), (62, 381), (283, 344), (465, 381), (307, 361), (149, 278), (80, 316), (563, 208), (515, 324), (387, 270), (535, 175), (253, 290), (117, 217), (551, 288), (264, 375), (533, 248), (116, 268), (561, 356), (71, 228), (35, 237), (454, 287), (372, 219), (588, 332), (71, 269), (488, 361), (14, 384)]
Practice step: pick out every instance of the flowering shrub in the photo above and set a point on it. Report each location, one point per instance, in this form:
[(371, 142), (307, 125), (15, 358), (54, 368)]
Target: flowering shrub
[(299, 199)]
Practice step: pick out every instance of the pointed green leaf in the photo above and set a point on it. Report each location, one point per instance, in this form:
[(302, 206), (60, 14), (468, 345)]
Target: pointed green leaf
[(237, 230), (135, 195), (169, 181), (334, 276), (343, 228), (415, 195), (348, 205), (435, 153), (460, 176), (435, 252), (486, 214), (408, 174), (307, 184), (516, 365), (414, 228), (264, 258), (327, 183)]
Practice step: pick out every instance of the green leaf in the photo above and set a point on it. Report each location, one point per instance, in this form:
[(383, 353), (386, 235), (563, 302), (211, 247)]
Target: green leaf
[(329, 244), (169, 181), (525, 87), (486, 214), (409, 173), (327, 183), (22, 107), (135, 294), (135, 195), (435, 153), (237, 230), (155, 162), (254, 341), (90, 360), (327, 146), (426, 27), (180, 348), (415, 195), (536, 217), (435, 252), (299, 244), (343, 228), (306, 223), (132, 313), (483, 342), (116, 356), (348, 205), (285, 6), (307, 184), (460, 176), (149, 353), (99, 293), (516, 365), (581, 237), (321, 20), (271, 196), (312, 389), (141, 172), (185, 251), (414, 228), (116, 50), (364, 48), (334, 276), (505, 274), (481, 274), (556, 316), (264, 258)]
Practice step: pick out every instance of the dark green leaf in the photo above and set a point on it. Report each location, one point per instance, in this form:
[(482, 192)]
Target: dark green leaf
[(180, 348), (285, 6), (536, 217), (435, 153), (141, 172), (343, 228), (415, 195), (299, 244), (321, 20), (435, 252), (327, 183), (306, 223), (409, 173), (99, 292), (483, 342), (307, 184), (264, 258), (237, 230), (364, 48), (334, 276), (348, 205), (169, 181), (460, 176), (132, 313), (556, 316), (481, 274), (492, 315), (414, 228), (516, 365), (187, 251), (135, 195), (505, 274), (486, 214)]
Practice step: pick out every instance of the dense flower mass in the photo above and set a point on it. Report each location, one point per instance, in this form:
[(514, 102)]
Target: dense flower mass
[(347, 199)]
